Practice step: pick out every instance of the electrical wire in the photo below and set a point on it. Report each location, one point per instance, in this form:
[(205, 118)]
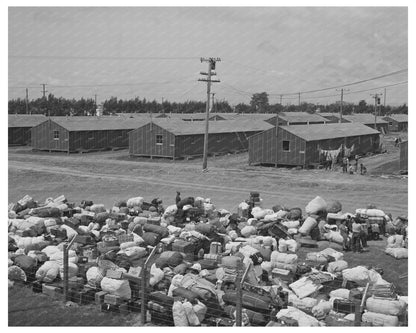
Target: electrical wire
[(99, 58)]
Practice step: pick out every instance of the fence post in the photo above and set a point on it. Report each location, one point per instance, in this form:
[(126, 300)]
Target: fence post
[(65, 272), (66, 268), (359, 307), (239, 301), (144, 286)]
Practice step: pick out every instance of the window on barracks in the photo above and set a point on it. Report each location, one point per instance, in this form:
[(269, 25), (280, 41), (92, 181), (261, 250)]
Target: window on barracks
[(286, 146), (159, 139), (56, 135)]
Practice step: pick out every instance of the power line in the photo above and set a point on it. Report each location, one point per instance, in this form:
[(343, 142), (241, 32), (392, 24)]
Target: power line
[(98, 58), (102, 84)]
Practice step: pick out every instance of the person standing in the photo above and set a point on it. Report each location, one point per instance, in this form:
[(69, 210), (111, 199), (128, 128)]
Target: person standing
[(356, 232), (344, 164), (356, 162), (344, 233)]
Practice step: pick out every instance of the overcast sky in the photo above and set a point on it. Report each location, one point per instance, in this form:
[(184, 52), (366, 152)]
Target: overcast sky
[(154, 52)]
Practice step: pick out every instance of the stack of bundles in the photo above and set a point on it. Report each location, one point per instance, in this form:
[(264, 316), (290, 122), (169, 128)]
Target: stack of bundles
[(395, 247), (321, 258), (362, 275), (384, 290), (383, 311), (160, 308), (285, 261), (300, 317)]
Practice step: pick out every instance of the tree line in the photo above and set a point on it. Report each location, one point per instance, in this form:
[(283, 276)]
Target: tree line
[(259, 103)]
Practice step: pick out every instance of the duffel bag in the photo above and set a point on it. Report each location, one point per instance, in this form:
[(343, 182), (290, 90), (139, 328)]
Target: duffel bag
[(116, 287), (308, 225), (386, 306), (379, 319), (48, 212), (205, 228), (173, 258), (101, 217), (185, 293), (294, 214), (250, 300), (162, 231), (25, 262), (151, 238)]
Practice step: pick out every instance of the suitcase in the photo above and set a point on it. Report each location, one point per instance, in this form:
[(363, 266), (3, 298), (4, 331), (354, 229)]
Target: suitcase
[(82, 297), (99, 297), (251, 301), (112, 299), (344, 306), (208, 264), (161, 298), (215, 248), (183, 246), (308, 243)]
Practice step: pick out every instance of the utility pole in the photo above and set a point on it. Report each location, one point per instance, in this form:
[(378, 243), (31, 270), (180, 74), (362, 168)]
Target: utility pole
[(281, 97), (299, 99), (213, 103), (44, 96), (43, 90), (385, 93), (27, 101), (211, 66), (342, 101), (95, 99), (376, 102)]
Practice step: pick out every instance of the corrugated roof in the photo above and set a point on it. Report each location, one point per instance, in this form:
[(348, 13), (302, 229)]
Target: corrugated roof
[(179, 127), (329, 131), (99, 123), (25, 120), (401, 118), (364, 118), (297, 117)]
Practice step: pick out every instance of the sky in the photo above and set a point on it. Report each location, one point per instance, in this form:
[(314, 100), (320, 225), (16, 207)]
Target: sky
[(154, 52)]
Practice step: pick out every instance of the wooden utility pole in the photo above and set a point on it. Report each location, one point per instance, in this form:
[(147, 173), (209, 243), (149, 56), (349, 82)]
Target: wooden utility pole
[(342, 101), (299, 99), (27, 101), (213, 103), (376, 102), (211, 66), (385, 93), (43, 90), (281, 97)]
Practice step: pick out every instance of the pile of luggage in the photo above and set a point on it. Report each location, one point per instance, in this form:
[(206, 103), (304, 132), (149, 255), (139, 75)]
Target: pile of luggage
[(197, 259)]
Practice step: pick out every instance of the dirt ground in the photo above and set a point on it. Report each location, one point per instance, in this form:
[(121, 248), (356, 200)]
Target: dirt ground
[(106, 177)]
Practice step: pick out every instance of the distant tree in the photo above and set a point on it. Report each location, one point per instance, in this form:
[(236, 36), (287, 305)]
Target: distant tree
[(242, 108), (259, 102), (362, 107)]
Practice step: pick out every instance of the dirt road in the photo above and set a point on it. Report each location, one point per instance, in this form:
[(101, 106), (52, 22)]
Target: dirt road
[(107, 177)]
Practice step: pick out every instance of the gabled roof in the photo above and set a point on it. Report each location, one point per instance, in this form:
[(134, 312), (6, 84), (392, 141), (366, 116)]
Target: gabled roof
[(317, 132), (298, 117), (180, 127), (25, 120), (401, 118), (99, 123), (364, 118)]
